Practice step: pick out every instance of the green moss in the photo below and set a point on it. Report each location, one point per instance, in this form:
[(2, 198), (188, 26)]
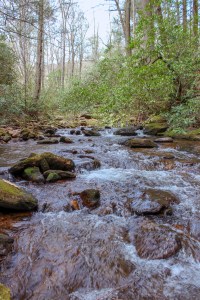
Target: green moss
[(6, 187), (2, 132), (4, 292), (52, 177), (156, 119)]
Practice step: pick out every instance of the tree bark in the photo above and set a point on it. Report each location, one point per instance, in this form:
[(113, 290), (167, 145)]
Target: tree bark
[(195, 18), (40, 42), (184, 15)]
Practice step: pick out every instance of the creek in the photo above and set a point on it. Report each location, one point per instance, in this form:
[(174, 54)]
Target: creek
[(91, 254)]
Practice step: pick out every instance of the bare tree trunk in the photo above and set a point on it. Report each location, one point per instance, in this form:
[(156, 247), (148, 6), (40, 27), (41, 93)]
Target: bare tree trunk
[(40, 42), (128, 26), (195, 18), (184, 15)]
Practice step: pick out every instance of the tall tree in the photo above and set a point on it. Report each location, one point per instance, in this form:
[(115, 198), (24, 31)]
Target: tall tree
[(40, 52)]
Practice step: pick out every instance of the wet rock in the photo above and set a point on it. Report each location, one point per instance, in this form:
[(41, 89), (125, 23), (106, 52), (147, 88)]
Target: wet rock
[(64, 139), (90, 198), (154, 241), (50, 130), (127, 131), (75, 205), (72, 131), (78, 132), (33, 174), (4, 292), (48, 141), (14, 198), (140, 143), (89, 165), (55, 175), (153, 201), (91, 133), (142, 207), (155, 125), (54, 162), (5, 244), (164, 140)]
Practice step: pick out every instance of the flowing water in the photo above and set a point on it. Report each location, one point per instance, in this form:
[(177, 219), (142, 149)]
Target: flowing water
[(91, 254)]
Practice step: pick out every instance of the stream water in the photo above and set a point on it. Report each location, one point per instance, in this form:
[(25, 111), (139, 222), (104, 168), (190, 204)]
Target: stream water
[(91, 255)]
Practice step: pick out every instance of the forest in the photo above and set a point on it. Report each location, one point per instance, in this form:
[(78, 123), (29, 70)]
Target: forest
[(99, 150), (148, 66)]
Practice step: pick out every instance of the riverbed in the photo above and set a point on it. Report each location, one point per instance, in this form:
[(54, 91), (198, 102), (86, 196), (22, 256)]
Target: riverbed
[(91, 254)]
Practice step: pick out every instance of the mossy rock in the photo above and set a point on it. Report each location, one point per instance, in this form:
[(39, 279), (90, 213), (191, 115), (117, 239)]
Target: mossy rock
[(155, 128), (14, 198), (4, 292), (192, 135), (54, 162), (54, 175), (33, 174), (140, 143)]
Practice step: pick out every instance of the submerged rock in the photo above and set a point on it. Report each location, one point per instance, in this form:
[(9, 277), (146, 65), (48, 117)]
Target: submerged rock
[(14, 198), (33, 174), (90, 198), (43, 161), (127, 131), (4, 292), (154, 241), (139, 143), (153, 201)]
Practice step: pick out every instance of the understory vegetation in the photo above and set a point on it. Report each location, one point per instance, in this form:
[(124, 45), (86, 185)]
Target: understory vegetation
[(160, 77)]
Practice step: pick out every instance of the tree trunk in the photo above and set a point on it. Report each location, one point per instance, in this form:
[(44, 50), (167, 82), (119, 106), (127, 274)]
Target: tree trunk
[(127, 27), (39, 62), (195, 18), (184, 15)]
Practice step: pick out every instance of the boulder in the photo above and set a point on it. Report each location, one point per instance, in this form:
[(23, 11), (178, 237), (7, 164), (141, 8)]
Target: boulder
[(154, 241), (4, 292), (91, 133), (44, 161), (64, 139), (139, 143), (86, 116), (33, 174), (14, 198), (155, 128), (90, 198), (48, 141), (5, 244), (152, 202), (127, 131)]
